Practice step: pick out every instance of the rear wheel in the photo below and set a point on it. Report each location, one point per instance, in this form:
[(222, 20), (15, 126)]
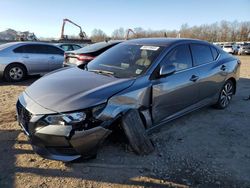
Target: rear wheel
[(226, 95), (135, 131), (14, 73)]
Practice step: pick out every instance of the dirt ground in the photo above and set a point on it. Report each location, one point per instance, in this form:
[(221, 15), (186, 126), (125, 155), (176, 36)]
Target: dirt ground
[(207, 148)]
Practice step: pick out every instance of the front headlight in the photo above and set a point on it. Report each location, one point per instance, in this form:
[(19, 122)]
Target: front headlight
[(66, 119)]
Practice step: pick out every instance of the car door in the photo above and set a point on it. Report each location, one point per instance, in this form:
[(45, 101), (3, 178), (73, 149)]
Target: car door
[(211, 76), (33, 58), (55, 57), (177, 91)]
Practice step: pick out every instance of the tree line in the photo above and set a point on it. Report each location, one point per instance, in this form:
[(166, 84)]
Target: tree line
[(223, 31)]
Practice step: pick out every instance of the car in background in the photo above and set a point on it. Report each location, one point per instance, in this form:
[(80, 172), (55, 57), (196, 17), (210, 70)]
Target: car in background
[(230, 49), (68, 46), (134, 87), (244, 49), (84, 55), (19, 59)]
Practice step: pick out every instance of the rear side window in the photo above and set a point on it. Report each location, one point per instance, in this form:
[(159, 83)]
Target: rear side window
[(32, 49), (20, 49), (215, 53), (201, 54), (180, 57)]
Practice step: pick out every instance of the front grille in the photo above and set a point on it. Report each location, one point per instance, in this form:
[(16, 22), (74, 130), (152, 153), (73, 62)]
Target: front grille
[(24, 116)]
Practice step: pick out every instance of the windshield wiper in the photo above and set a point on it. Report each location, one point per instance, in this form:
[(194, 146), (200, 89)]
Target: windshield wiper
[(103, 72)]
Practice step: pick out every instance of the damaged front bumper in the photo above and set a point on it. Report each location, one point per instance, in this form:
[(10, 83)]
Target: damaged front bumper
[(60, 142), (81, 144)]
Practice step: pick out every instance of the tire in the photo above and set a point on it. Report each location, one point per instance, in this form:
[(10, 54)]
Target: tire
[(226, 95), (135, 131), (14, 73)]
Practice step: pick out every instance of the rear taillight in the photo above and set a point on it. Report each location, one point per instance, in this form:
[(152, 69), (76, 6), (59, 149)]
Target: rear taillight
[(83, 57)]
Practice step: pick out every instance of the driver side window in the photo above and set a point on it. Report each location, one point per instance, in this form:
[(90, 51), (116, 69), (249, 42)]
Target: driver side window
[(180, 57)]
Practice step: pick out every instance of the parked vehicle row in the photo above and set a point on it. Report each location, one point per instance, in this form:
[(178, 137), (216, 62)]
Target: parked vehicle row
[(240, 49), (134, 87)]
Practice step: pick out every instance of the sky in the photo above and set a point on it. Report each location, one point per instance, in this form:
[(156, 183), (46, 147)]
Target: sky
[(44, 17)]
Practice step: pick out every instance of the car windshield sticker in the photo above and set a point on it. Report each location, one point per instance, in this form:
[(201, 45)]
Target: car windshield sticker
[(138, 71), (124, 65), (153, 48)]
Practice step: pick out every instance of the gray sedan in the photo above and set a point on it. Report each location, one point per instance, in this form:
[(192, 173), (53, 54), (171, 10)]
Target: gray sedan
[(18, 59), (134, 87)]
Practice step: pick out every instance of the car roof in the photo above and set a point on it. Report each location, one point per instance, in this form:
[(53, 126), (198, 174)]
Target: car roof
[(163, 41), (96, 46), (59, 44), (30, 42), (109, 42)]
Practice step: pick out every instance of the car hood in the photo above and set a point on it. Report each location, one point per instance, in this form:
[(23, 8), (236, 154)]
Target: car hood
[(74, 89)]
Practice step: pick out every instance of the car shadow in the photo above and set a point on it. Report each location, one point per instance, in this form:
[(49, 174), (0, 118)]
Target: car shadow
[(85, 170), (26, 82)]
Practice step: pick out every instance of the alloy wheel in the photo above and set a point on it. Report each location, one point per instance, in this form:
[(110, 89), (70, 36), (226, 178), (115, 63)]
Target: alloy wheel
[(226, 94), (16, 73)]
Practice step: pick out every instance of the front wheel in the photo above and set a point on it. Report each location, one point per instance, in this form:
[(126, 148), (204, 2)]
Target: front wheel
[(226, 95), (135, 131)]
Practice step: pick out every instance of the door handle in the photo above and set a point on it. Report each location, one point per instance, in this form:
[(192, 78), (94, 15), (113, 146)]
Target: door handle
[(26, 56), (223, 67), (194, 78), (52, 57)]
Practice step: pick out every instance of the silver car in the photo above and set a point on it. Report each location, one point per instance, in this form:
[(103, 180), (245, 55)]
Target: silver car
[(18, 59)]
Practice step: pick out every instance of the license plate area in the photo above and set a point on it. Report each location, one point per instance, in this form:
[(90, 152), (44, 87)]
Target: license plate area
[(72, 60)]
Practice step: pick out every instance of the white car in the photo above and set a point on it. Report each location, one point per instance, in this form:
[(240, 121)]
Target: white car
[(18, 59), (230, 49)]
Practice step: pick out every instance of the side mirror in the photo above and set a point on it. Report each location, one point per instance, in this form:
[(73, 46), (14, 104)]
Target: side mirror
[(166, 70)]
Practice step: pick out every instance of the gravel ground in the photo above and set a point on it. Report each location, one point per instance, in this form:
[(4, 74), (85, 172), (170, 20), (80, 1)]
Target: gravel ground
[(207, 148)]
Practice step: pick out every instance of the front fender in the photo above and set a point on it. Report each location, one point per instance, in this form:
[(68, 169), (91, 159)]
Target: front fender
[(139, 99)]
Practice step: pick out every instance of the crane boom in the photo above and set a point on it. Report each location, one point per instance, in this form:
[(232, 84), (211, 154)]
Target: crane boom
[(129, 31), (81, 34)]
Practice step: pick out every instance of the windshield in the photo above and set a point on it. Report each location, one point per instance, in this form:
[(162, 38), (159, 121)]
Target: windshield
[(125, 60)]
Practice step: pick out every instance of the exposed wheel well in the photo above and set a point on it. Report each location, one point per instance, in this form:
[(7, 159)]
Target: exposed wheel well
[(234, 82), (17, 63)]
